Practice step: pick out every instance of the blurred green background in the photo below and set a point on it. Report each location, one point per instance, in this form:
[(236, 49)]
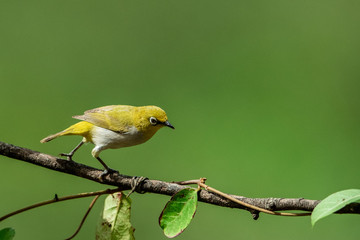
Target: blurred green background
[(264, 96)]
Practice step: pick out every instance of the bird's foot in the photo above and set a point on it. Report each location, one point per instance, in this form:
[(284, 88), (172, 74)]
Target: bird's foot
[(108, 171), (67, 155), (136, 183)]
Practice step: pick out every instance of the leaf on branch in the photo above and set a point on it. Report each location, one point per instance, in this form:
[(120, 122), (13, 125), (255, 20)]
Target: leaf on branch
[(114, 222), (7, 233), (178, 212), (334, 202)]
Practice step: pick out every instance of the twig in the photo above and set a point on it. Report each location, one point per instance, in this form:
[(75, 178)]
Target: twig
[(57, 199), (84, 218), (189, 182), (201, 183)]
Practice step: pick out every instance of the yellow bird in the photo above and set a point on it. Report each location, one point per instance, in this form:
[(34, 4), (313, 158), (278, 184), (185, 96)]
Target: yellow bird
[(114, 126)]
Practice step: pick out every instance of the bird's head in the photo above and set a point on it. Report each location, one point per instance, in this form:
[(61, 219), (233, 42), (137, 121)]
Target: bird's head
[(151, 119)]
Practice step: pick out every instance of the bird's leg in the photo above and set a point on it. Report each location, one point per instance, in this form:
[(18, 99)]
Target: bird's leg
[(70, 154), (107, 169)]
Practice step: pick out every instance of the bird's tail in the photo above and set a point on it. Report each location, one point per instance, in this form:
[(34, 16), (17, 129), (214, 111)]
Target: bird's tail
[(51, 137), (81, 128)]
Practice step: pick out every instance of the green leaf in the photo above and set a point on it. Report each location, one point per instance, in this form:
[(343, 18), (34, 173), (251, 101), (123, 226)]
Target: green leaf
[(7, 234), (333, 203), (178, 212), (115, 219)]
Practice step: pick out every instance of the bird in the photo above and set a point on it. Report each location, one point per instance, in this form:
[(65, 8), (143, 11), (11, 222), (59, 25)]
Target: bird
[(114, 126)]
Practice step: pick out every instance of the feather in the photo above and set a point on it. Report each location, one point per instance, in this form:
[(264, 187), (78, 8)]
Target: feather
[(118, 118)]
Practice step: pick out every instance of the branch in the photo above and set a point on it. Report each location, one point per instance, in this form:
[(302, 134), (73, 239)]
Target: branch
[(123, 182)]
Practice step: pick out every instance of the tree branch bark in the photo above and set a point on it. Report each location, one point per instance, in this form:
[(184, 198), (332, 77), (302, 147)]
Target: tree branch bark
[(123, 182)]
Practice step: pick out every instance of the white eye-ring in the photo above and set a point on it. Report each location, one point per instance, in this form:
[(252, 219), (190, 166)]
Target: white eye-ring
[(153, 121)]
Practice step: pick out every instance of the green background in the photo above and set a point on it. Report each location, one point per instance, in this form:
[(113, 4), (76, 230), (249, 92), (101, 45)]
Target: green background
[(264, 96)]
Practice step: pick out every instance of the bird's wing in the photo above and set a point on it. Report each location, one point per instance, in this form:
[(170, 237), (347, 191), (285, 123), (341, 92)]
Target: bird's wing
[(118, 118)]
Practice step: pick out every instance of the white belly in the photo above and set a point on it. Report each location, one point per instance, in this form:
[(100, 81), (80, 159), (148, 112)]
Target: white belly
[(104, 138)]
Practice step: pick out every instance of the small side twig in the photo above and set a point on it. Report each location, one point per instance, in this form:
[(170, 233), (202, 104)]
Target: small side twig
[(84, 218), (201, 183), (189, 182), (57, 199)]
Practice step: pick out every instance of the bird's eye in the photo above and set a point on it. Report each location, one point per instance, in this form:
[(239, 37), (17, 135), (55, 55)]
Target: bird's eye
[(153, 121)]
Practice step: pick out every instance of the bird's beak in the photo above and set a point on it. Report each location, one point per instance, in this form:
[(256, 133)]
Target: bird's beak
[(166, 123)]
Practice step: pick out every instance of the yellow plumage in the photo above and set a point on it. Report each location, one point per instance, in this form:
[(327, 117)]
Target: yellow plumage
[(115, 126), (81, 128)]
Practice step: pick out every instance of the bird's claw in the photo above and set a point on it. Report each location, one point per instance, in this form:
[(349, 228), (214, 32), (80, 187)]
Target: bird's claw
[(107, 172), (67, 155)]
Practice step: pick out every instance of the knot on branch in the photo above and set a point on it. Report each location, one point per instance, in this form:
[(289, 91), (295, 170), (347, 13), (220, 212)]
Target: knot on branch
[(270, 204)]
